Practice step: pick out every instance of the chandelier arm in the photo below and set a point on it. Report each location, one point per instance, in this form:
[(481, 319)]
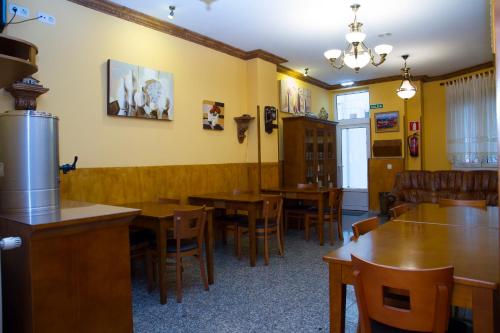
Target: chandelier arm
[(380, 62), (333, 63)]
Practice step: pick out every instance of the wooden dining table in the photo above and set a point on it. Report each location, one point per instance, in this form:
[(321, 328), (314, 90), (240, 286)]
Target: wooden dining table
[(318, 195), (249, 202), (159, 218), (452, 215), (470, 247)]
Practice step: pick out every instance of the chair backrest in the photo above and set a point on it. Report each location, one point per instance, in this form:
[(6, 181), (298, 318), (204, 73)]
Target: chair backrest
[(399, 209), (427, 292), (362, 227), (335, 198), (469, 203), (175, 201), (310, 186), (189, 224), (272, 208)]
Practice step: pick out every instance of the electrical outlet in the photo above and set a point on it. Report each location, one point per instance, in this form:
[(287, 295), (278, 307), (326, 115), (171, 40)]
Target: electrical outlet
[(46, 18), (19, 10)]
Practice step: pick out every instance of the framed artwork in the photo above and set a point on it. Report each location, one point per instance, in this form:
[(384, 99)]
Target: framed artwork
[(139, 92), (213, 115), (294, 99), (387, 121)]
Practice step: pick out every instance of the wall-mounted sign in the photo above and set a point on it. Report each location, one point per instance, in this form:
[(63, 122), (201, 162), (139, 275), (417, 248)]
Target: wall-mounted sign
[(376, 106), (414, 126)]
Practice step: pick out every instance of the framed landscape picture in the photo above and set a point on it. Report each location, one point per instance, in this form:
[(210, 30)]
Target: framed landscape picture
[(139, 92), (387, 121)]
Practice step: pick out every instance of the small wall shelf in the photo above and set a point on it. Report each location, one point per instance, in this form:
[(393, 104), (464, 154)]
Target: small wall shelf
[(17, 59), (242, 123)]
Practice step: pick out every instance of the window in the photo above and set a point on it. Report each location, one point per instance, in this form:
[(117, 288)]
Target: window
[(471, 130), (355, 105)]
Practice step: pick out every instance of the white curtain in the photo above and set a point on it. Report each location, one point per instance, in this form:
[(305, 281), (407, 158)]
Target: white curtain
[(471, 121)]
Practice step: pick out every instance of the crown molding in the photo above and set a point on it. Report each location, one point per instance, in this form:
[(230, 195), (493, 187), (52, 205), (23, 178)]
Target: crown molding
[(125, 13), (299, 76), (460, 72)]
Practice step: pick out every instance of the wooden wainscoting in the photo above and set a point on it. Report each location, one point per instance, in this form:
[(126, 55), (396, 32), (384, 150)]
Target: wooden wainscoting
[(380, 178), (119, 185)]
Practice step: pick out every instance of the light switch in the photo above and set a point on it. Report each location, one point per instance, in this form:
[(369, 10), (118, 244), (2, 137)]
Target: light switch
[(389, 166)]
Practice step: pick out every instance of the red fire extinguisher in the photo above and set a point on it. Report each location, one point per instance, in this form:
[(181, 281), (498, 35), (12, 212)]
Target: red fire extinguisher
[(413, 145)]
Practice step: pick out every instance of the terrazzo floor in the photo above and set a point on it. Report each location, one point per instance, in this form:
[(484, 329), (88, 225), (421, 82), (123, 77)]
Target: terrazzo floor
[(289, 295)]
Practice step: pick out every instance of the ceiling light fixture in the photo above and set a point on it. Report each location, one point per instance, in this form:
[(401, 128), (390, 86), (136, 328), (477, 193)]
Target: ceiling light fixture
[(407, 90), (347, 84), (171, 15), (356, 55), (306, 72), (208, 3)]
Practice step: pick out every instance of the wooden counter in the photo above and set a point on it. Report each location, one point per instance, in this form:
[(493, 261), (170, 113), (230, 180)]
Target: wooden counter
[(72, 273)]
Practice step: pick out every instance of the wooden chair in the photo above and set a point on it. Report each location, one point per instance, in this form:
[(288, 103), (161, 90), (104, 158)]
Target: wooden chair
[(189, 226), (297, 211), (266, 226), (399, 209), (333, 213), (427, 292), (362, 227), (469, 203)]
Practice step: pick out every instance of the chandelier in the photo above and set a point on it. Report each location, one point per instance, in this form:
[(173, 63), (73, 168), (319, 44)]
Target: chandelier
[(407, 90), (356, 55)]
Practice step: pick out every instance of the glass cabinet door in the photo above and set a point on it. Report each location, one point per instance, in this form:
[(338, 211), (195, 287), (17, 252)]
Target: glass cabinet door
[(309, 156), (320, 149)]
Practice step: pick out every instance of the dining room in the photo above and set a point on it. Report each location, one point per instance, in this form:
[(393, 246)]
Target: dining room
[(249, 166)]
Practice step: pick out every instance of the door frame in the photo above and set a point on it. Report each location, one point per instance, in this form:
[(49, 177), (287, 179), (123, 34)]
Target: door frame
[(345, 124)]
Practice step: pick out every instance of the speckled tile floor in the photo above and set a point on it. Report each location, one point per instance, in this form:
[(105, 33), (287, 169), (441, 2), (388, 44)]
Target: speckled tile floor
[(289, 295)]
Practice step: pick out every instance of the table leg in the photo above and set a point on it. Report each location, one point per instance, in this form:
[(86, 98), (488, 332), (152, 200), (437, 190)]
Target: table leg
[(482, 310), (252, 215), (209, 247), (321, 215), (337, 299), (161, 241)]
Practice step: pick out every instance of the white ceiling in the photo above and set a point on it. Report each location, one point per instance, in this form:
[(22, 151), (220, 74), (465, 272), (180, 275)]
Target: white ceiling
[(441, 36)]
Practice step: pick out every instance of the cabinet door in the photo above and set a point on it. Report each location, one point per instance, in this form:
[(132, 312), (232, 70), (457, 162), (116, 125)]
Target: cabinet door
[(320, 155), (331, 158), (310, 155)]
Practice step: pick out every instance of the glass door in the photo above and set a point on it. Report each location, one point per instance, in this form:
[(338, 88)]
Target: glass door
[(354, 141)]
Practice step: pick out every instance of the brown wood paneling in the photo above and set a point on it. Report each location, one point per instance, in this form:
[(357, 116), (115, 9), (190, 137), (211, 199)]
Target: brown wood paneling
[(135, 184), (380, 178)]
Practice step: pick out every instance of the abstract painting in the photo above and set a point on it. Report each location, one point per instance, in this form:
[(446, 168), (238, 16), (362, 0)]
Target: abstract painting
[(294, 99), (213, 115), (140, 92)]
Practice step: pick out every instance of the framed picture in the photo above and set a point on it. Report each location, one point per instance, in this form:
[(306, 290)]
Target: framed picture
[(139, 92), (294, 99), (213, 115), (387, 121)]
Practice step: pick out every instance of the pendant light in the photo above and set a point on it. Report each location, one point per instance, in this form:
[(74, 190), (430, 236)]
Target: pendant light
[(407, 90)]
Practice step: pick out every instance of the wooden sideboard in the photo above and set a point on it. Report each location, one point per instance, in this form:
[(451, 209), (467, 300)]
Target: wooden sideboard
[(310, 151), (72, 272)]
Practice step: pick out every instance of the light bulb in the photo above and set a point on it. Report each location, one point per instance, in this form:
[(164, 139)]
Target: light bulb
[(406, 90), (359, 61), (383, 49)]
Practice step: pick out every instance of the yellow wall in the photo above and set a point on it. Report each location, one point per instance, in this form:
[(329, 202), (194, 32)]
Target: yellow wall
[(385, 93), (72, 63)]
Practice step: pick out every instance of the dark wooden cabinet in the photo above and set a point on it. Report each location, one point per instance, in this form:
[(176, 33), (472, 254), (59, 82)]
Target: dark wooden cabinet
[(310, 151)]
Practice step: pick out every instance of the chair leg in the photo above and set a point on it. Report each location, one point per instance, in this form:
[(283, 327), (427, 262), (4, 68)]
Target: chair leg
[(236, 240), (278, 238), (178, 280), (149, 271), (266, 249), (330, 231), (202, 270), (238, 235), (339, 228), (286, 223)]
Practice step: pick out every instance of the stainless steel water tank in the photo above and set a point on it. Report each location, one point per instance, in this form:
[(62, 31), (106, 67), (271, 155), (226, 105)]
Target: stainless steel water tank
[(29, 162)]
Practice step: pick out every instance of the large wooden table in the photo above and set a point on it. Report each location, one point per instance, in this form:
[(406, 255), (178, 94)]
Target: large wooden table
[(318, 195), (472, 251), (249, 202), (452, 216), (158, 217)]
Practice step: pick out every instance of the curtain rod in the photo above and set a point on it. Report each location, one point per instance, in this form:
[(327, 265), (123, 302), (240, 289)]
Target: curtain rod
[(486, 73)]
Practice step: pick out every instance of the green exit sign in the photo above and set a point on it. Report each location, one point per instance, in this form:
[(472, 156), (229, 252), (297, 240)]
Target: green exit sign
[(376, 106)]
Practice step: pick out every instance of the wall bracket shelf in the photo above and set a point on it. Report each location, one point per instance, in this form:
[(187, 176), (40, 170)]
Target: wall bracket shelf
[(242, 123)]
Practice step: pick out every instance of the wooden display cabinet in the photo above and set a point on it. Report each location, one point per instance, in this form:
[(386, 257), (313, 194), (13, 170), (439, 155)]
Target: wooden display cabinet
[(310, 151)]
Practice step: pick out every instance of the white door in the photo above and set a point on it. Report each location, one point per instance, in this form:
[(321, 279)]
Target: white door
[(354, 150)]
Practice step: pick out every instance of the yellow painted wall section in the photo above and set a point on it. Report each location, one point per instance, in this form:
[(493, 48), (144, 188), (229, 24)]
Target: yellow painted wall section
[(72, 63), (385, 93), (262, 91)]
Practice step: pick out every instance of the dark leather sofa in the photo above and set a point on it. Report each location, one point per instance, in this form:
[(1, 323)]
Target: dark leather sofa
[(430, 186)]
